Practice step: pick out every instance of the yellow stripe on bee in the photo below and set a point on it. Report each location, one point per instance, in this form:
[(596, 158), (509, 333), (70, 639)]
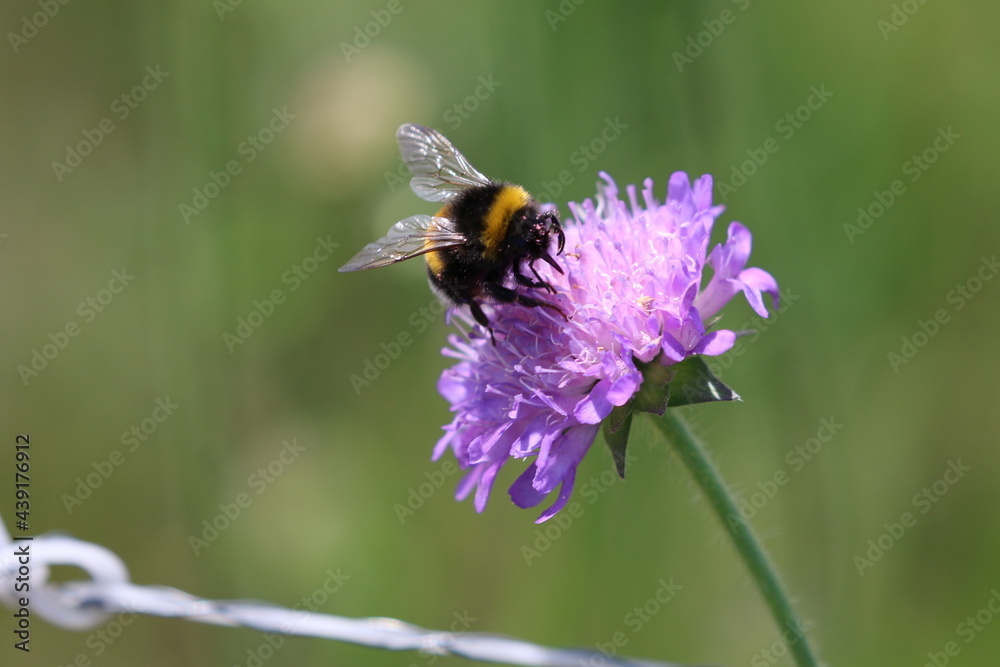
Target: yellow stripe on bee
[(505, 205), (434, 262), (433, 258)]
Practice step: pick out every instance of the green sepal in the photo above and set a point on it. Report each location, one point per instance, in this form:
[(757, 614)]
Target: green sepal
[(685, 383), (616, 427), (654, 393), (693, 382)]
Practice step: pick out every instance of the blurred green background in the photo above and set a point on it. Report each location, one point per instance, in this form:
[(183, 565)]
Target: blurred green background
[(273, 123)]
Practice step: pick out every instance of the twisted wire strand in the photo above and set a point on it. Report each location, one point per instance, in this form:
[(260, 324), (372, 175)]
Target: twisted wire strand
[(83, 605)]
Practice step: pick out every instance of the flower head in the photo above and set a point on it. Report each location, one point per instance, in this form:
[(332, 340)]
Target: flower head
[(632, 293)]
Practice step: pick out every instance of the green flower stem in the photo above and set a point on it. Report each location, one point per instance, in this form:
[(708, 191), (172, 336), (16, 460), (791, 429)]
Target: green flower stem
[(749, 548)]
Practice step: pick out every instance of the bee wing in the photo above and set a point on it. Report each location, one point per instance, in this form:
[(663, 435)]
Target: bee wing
[(408, 238), (439, 171)]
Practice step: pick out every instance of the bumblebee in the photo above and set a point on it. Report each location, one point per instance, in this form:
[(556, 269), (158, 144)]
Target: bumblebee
[(479, 243)]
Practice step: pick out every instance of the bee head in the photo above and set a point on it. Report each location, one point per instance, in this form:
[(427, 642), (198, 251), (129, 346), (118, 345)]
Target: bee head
[(556, 228), (540, 229)]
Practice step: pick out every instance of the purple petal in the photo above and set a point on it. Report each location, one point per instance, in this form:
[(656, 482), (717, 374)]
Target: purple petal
[(452, 387), (756, 281), (736, 252), (595, 406), (523, 492), (624, 388), (716, 343), (679, 187), (443, 443), (545, 449), (565, 491), (571, 448), (482, 447), (701, 192), (531, 438), (468, 483), (728, 261), (673, 349), (486, 484), (718, 293)]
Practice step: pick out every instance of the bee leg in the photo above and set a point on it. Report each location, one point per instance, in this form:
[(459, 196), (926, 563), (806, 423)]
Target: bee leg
[(532, 302), (506, 295), (480, 317), (454, 295), (478, 313), (528, 282), (549, 288)]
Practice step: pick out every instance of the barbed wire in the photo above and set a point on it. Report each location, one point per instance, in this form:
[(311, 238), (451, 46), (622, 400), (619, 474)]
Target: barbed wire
[(87, 604)]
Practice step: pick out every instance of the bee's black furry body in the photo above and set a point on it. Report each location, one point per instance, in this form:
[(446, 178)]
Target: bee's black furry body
[(504, 230), (480, 243)]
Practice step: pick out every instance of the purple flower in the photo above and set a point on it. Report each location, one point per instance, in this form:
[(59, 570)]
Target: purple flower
[(632, 294)]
